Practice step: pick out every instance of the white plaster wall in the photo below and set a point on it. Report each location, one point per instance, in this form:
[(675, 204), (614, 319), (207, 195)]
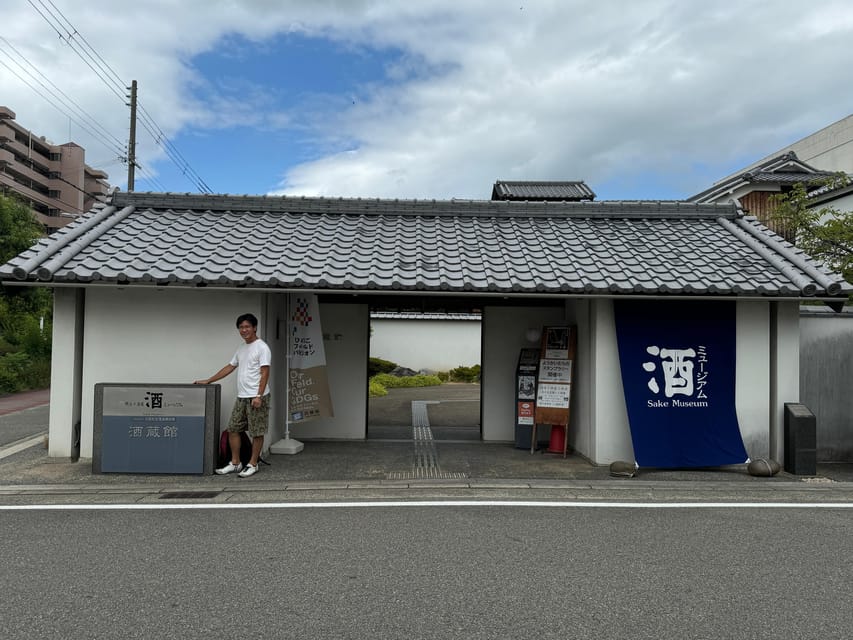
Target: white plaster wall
[(609, 415), (784, 370), (503, 337), (437, 345), (752, 375), (166, 336), (346, 327), (64, 379), (840, 204), (177, 336)]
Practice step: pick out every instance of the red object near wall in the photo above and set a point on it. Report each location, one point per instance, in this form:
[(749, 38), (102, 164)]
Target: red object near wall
[(557, 443)]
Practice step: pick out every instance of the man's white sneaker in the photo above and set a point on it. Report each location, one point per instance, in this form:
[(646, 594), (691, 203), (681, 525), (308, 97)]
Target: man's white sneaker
[(230, 468), (248, 471)]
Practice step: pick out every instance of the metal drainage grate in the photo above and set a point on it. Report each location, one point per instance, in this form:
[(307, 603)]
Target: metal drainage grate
[(433, 474), (189, 495)]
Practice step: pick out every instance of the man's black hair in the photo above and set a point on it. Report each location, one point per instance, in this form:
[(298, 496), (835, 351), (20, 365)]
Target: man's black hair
[(250, 318)]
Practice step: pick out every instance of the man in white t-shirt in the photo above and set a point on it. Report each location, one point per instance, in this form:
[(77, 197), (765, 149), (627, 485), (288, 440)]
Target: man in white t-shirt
[(252, 406)]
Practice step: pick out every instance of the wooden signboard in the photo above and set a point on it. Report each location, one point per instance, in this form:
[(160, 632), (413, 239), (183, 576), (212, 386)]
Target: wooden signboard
[(554, 384)]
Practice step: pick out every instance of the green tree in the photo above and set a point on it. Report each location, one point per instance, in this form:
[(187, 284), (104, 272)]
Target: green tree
[(18, 228), (25, 312), (824, 233)]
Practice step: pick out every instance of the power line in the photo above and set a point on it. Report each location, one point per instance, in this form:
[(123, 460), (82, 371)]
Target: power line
[(61, 110), (67, 106), (149, 177), (104, 72), (103, 63), (71, 206), (71, 43), (182, 163)]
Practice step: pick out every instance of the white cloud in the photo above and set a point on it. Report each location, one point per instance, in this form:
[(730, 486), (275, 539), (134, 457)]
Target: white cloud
[(610, 92)]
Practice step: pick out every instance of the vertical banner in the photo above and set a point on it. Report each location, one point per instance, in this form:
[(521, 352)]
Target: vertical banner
[(308, 384), (678, 372)]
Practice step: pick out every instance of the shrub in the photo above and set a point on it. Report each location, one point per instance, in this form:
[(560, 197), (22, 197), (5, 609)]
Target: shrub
[(37, 373), (24, 346), (465, 374), (376, 390), (378, 365), (12, 368), (390, 382)]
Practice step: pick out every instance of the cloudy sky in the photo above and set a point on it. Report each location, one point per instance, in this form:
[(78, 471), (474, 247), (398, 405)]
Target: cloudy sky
[(428, 98)]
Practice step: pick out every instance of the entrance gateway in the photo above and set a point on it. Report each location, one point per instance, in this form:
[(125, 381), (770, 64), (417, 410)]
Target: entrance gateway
[(420, 343), (147, 287)]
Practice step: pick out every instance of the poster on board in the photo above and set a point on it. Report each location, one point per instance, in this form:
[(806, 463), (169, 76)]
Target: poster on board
[(556, 359)]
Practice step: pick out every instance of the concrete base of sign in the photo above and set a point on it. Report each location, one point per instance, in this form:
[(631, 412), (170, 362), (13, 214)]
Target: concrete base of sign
[(287, 446)]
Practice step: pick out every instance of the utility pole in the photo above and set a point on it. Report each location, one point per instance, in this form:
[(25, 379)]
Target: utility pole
[(131, 147)]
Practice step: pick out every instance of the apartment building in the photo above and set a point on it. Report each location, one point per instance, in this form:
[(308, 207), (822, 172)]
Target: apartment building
[(54, 179)]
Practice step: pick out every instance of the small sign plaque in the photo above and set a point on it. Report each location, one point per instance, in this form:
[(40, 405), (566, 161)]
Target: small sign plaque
[(553, 396), (525, 413), (142, 428), (555, 371)]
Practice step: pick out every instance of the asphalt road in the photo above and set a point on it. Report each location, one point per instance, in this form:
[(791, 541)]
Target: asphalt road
[(428, 572), (23, 424), (452, 411)]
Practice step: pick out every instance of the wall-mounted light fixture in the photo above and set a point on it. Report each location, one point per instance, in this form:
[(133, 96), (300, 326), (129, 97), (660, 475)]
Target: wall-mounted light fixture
[(533, 334)]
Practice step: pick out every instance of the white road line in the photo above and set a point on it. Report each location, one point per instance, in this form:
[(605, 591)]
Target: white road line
[(431, 503), (20, 445)]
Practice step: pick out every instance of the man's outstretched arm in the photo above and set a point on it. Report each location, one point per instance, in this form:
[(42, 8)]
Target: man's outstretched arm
[(224, 371)]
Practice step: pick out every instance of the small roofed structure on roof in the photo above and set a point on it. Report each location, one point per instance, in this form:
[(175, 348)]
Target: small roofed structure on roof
[(568, 191), (753, 188)]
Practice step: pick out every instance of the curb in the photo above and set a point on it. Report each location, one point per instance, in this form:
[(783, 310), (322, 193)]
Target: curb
[(643, 491)]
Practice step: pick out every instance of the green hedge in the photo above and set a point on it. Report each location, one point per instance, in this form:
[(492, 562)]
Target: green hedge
[(465, 374), (20, 371), (376, 390), (24, 345), (379, 384), (389, 382)]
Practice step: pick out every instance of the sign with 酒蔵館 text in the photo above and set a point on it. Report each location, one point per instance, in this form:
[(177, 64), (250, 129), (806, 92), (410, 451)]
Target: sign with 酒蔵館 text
[(143, 428)]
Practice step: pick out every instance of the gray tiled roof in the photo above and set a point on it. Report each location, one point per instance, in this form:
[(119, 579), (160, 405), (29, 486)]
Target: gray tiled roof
[(789, 177), (785, 169), (591, 248), (571, 191)]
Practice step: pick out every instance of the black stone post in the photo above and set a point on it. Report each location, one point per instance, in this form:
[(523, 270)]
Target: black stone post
[(800, 440)]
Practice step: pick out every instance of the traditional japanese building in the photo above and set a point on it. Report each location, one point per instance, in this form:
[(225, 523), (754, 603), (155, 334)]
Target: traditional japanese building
[(147, 287)]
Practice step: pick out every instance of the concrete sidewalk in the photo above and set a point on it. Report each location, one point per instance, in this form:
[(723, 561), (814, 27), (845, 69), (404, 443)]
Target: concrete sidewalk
[(386, 469), (12, 403), (329, 471)]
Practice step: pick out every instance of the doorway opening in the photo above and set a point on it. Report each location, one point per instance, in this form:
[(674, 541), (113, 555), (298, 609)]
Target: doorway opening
[(424, 375)]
